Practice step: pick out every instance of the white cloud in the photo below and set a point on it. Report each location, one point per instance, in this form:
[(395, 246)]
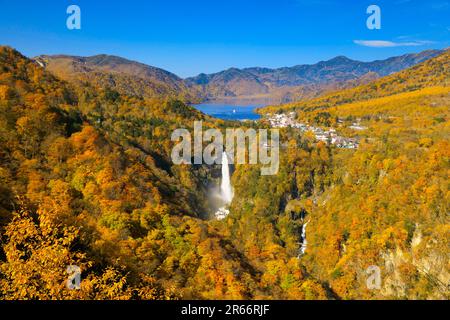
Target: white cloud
[(389, 44)]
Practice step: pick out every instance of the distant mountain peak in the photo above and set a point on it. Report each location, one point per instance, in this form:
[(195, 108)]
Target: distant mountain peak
[(105, 59), (341, 59)]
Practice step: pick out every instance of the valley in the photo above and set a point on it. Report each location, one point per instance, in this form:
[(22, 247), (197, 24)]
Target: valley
[(87, 179)]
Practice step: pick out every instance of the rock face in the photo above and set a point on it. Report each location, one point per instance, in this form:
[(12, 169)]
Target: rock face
[(421, 260)]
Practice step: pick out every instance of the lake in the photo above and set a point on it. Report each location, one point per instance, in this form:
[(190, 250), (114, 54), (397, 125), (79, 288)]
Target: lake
[(229, 112)]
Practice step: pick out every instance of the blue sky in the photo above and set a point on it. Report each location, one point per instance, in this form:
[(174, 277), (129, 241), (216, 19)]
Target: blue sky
[(189, 37)]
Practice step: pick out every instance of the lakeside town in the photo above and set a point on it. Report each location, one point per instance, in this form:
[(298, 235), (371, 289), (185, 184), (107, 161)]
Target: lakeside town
[(328, 136)]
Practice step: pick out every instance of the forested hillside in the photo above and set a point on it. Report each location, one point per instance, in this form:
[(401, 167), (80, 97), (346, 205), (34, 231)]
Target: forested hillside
[(86, 180), (126, 77), (388, 203), (431, 73)]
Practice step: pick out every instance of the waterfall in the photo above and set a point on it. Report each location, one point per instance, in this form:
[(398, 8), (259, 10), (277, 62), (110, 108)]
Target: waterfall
[(225, 187), (226, 193), (303, 238)]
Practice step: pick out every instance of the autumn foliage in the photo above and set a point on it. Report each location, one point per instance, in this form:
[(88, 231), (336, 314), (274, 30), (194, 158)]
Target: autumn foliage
[(86, 179)]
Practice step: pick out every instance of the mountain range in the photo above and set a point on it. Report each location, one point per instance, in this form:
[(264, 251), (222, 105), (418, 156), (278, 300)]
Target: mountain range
[(255, 85)]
